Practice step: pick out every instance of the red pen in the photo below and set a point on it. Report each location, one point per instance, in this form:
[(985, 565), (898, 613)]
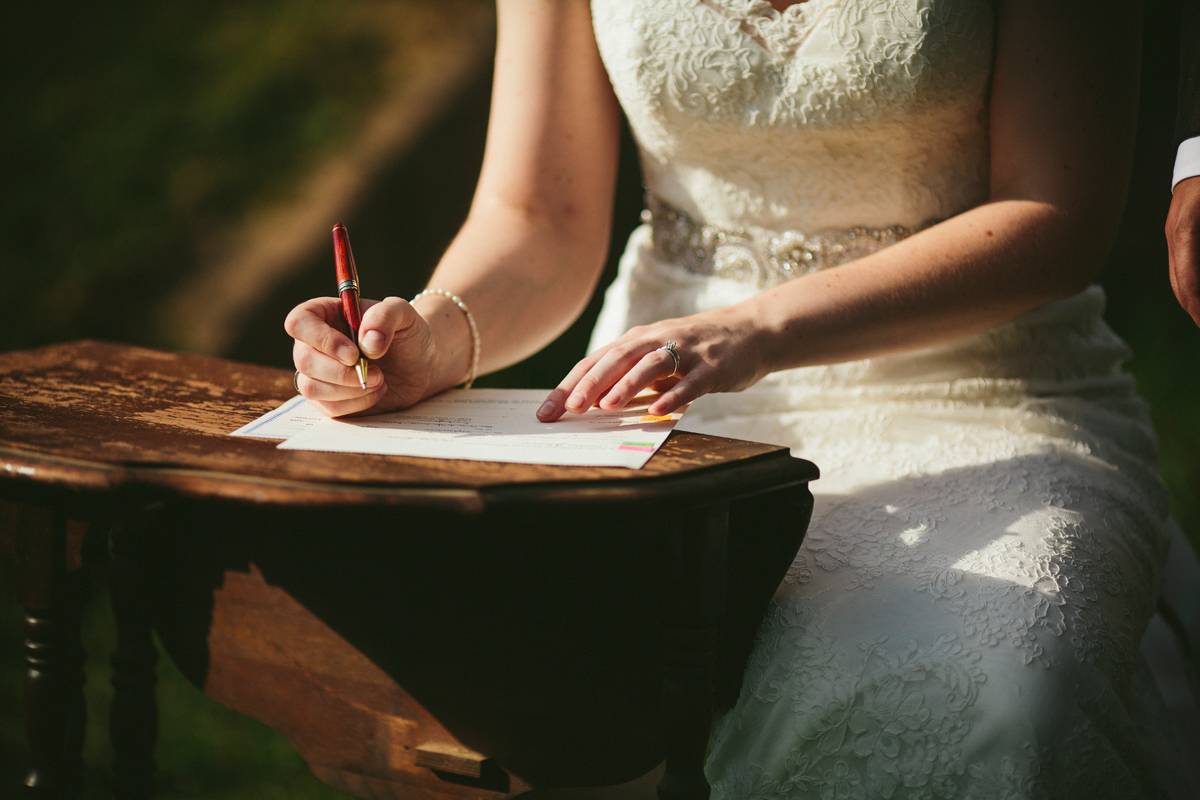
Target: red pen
[(347, 276)]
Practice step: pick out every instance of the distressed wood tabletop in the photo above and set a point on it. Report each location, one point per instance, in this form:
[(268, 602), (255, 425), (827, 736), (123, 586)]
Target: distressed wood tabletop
[(95, 416)]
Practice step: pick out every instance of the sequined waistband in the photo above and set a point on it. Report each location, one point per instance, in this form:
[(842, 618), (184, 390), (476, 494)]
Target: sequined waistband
[(757, 255)]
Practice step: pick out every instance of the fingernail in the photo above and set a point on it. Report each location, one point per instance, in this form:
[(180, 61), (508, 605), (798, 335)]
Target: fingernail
[(577, 402), (347, 354), (373, 342), (546, 410)]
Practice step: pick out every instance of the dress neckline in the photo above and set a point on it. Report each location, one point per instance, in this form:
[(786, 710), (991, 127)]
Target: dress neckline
[(778, 33)]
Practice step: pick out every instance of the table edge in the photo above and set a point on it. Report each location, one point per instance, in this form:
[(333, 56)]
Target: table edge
[(52, 478)]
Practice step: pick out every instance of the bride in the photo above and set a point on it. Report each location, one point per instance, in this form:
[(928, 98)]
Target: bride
[(870, 235)]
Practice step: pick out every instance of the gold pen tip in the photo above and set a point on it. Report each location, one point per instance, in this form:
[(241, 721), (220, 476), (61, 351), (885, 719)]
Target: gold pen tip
[(361, 369)]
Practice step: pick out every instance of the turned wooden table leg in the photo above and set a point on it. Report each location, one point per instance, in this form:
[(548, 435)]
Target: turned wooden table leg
[(133, 716), (52, 586), (697, 603)]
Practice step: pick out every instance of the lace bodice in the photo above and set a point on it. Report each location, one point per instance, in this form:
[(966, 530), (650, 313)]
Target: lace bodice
[(832, 114)]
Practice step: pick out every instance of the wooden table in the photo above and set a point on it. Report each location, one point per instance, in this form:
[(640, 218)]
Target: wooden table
[(418, 628)]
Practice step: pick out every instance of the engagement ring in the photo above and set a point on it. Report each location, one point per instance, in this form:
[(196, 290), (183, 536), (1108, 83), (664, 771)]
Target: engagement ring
[(670, 348)]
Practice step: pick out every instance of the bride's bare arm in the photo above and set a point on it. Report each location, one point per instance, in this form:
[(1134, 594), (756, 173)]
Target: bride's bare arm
[(1063, 116), (533, 246)]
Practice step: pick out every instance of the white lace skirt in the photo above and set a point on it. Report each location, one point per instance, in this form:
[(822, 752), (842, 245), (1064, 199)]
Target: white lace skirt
[(963, 619)]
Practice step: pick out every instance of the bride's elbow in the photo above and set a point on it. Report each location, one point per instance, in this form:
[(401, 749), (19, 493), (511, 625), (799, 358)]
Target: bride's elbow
[(1067, 241), (1081, 242)]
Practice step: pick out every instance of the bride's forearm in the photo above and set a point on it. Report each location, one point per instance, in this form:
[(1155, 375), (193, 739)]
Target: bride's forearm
[(964, 275), (525, 277), (530, 253)]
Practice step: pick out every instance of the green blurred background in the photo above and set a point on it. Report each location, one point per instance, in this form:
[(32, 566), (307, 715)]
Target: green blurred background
[(152, 153)]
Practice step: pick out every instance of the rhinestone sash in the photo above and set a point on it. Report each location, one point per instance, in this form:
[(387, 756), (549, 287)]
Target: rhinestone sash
[(758, 255)]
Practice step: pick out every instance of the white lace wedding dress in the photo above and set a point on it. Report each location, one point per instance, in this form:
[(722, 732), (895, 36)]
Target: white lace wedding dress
[(963, 618)]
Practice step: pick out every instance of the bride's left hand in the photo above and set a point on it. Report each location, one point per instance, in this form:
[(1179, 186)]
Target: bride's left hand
[(719, 351)]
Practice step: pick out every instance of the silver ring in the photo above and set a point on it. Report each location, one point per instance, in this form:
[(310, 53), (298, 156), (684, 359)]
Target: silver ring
[(670, 348), (296, 381)]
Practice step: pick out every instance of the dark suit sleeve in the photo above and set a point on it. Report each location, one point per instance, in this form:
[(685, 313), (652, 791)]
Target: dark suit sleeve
[(1187, 122)]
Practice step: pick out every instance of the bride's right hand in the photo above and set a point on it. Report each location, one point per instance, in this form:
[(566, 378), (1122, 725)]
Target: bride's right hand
[(393, 336)]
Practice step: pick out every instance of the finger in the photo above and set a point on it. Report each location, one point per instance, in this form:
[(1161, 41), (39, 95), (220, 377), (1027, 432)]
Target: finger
[(343, 408), (611, 367), (684, 392), (653, 366), (553, 406), (316, 322), (381, 322), (555, 403), (664, 384), (346, 389), (319, 366)]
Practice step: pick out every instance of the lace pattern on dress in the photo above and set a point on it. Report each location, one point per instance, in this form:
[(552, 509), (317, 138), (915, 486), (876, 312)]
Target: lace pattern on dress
[(887, 723), (836, 98), (1017, 588), (962, 619), (896, 717)]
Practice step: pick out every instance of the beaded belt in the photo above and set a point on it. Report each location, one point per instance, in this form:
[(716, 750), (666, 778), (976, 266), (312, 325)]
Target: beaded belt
[(757, 255)]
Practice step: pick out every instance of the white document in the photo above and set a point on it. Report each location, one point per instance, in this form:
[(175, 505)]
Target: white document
[(292, 417), (489, 425)]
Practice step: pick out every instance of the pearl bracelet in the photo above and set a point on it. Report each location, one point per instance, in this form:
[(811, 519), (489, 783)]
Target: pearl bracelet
[(458, 301)]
